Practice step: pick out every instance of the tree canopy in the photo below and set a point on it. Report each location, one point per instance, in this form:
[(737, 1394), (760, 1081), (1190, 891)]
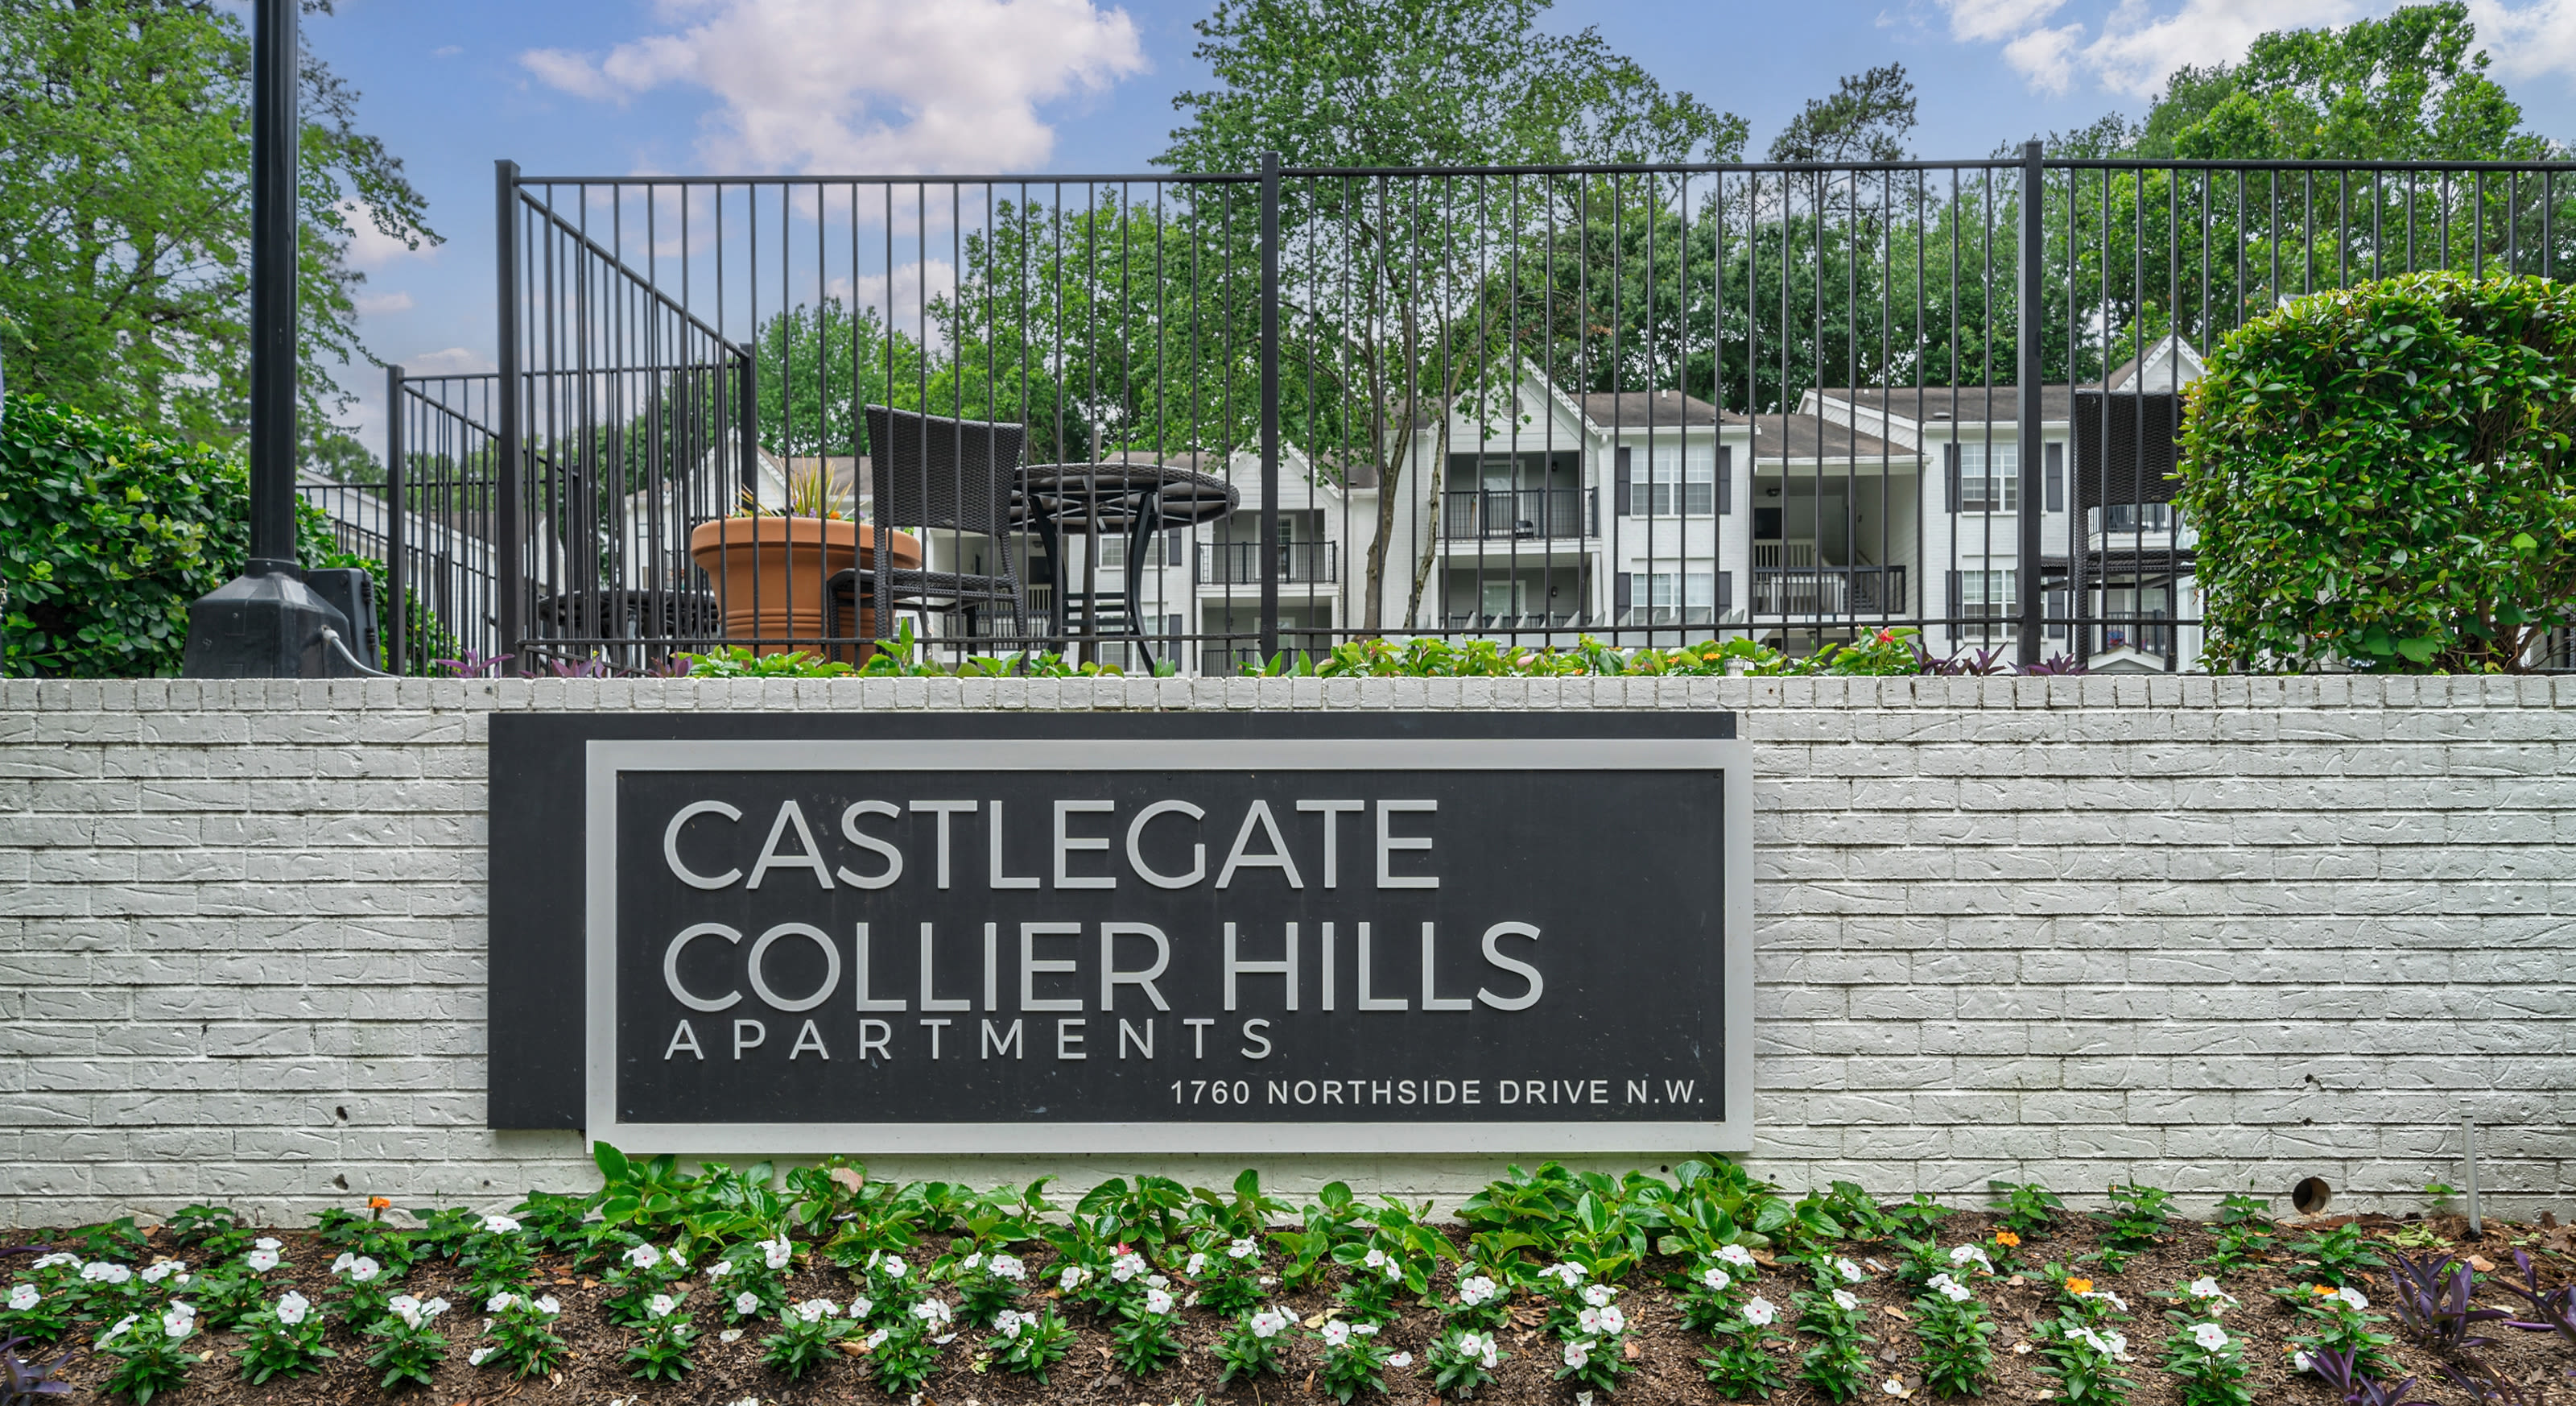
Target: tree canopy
[(125, 214)]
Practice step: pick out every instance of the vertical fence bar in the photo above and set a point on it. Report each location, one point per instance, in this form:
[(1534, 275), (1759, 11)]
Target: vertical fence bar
[(2028, 311), (1269, 405), (397, 575), (505, 513)]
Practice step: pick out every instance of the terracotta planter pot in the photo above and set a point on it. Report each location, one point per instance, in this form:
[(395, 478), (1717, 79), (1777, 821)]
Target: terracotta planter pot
[(769, 575)]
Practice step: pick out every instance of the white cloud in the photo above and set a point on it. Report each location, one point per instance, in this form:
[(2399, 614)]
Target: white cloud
[(2046, 57), (449, 361), (2137, 52), (446, 51), (371, 248), (376, 304), (2537, 39), (869, 85), (1985, 21)]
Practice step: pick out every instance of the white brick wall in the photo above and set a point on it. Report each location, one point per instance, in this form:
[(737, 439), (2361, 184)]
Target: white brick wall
[(2208, 933)]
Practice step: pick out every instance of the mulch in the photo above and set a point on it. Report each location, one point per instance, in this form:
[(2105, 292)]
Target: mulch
[(1665, 1355)]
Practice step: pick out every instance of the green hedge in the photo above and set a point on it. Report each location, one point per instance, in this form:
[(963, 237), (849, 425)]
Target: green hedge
[(107, 532), (2379, 476)]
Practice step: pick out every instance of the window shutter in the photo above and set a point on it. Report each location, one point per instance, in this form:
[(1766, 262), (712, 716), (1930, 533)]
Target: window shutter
[(1957, 598), (2056, 461), (1619, 492), (1725, 481), (1620, 587), (1950, 475), (1725, 590)]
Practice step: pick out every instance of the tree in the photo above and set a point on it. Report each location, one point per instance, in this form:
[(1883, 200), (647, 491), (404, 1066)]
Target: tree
[(1391, 289), (125, 212), (1865, 118)]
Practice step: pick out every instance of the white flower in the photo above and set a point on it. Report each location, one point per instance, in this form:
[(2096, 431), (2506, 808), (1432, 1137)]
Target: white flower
[(1197, 1265), (1157, 1301), (1007, 1267), (894, 1267), (292, 1307), (260, 1262), (268, 1242), (1848, 1270), (23, 1297), (2299, 1361), (875, 1340), (546, 1305), (1243, 1249), (1401, 1359), (120, 1326), (1364, 1330), (643, 1257), (2353, 1296), (1955, 1292), (1589, 1320), (1394, 1270), (679, 1263), (968, 1265), (2209, 1335), (661, 1305), (2206, 1287), (101, 1272), (816, 1310), (933, 1313), (1568, 1274), (1374, 1258), (1269, 1323), (862, 1306), (1336, 1333), (163, 1269), (1759, 1313), (479, 1356), (776, 1253), (720, 1269), (1491, 1356), (364, 1270), (1578, 1355), (56, 1258), (1128, 1266), (500, 1302), (746, 1303), (2115, 1300), (2119, 1346), (500, 1225), (1966, 1254), (1736, 1255), (1716, 1279), (338, 1266), (1613, 1321), (1599, 1295), (1073, 1274), (1843, 1300), (180, 1321), (1475, 1289)]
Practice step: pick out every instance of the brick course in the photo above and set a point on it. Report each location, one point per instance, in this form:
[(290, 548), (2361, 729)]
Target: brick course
[(2208, 933)]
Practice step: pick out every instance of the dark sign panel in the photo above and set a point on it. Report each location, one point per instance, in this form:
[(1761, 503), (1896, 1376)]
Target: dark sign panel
[(1105, 933)]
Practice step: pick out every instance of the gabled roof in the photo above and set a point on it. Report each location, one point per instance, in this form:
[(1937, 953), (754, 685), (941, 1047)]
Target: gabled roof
[(2169, 365), (1778, 438), (1663, 409)]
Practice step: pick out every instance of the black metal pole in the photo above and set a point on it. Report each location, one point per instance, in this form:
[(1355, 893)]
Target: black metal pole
[(2028, 313), (1269, 405), (273, 144), (507, 548), (397, 575)]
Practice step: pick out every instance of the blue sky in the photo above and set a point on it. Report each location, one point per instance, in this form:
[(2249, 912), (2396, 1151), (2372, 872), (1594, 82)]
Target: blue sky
[(607, 87)]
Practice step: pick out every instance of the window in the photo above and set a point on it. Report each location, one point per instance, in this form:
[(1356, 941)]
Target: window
[(1676, 479), (1669, 597), (1984, 595), (1984, 478)]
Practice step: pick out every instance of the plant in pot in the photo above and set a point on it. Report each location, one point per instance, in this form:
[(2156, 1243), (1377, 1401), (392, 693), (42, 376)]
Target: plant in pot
[(771, 567)]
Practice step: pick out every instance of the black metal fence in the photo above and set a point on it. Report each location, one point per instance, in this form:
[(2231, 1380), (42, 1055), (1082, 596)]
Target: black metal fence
[(1184, 421)]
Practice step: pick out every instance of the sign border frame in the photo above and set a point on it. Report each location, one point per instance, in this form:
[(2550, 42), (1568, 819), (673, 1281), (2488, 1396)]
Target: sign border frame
[(605, 759)]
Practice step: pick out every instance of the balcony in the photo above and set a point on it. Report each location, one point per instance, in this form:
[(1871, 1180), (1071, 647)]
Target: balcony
[(1479, 514), (1831, 591), (1239, 563)]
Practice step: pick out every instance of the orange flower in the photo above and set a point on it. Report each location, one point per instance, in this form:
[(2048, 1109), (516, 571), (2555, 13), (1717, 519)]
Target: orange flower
[(378, 1203), (2326, 1290), (2079, 1286), (2007, 1239)]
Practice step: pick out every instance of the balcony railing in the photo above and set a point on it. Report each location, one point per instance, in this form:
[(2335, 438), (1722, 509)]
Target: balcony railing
[(1480, 513), (1239, 563), (1829, 590)]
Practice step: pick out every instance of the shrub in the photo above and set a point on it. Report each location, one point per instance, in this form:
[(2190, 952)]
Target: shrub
[(2379, 477), (107, 531)]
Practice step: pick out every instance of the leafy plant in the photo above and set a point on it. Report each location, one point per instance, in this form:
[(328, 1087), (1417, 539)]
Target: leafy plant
[(2338, 1321), (2242, 1230), (1461, 1361), (1249, 1347), (522, 1336), (665, 1336), (1743, 1364), (2379, 476), (2434, 1301), (807, 1335), (1143, 1342), (2085, 1359), (24, 1380), (2340, 1255), (2136, 1216), (282, 1340), (1837, 1364), (152, 1353), (1713, 1292), (216, 1232), (1957, 1338), (2554, 1309), (412, 1348), (1226, 1270), (1032, 1343), (1352, 1360), (2496, 1389), (2025, 1208), (988, 1285), (2343, 1372), (2208, 1361)]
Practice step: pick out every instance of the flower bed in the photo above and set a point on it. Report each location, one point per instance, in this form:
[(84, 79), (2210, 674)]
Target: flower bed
[(737, 1285)]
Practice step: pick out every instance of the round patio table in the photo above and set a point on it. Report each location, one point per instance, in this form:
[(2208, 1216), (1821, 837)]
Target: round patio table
[(1134, 498)]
